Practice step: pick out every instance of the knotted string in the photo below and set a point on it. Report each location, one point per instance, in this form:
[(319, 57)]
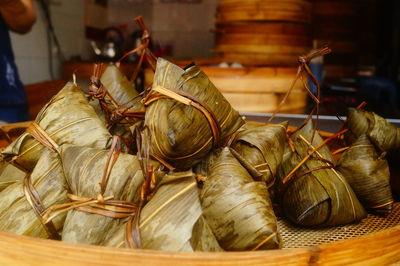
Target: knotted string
[(101, 204), (302, 69), (113, 111), (145, 54), (30, 192), (159, 92), (132, 228), (311, 152)]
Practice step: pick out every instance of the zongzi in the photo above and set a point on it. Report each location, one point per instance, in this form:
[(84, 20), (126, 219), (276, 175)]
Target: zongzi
[(315, 194), (367, 172), (67, 118), (104, 186), (262, 147), (384, 135), (237, 208), (187, 115)]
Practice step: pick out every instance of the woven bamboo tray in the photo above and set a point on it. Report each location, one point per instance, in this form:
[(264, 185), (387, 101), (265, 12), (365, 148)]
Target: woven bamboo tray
[(374, 241)]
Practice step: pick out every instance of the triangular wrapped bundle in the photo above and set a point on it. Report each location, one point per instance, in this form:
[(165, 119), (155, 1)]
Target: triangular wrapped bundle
[(67, 118), (262, 147), (172, 220), (110, 180), (237, 208), (368, 174), (315, 194), (9, 174), (123, 106), (384, 135), (23, 204), (187, 115), (120, 88)]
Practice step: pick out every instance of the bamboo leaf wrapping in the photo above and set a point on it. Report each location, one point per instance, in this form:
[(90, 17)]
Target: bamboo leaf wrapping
[(368, 174), (321, 197), (84, 170), (172, 219), (120, 88), (203, 167), (238, 209), (384, 135), (17, 215), (9, 175), (358, 124), (180, 133), (67, 118), (263, 147), (120, 129)]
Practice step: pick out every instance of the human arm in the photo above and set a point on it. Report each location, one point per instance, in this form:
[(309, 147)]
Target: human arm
[(19, 15)]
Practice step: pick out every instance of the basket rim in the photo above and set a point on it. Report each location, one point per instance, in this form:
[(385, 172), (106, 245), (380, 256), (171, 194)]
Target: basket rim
[(381, 247)]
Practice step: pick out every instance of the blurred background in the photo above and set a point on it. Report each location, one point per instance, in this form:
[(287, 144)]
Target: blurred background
[(249, 48)]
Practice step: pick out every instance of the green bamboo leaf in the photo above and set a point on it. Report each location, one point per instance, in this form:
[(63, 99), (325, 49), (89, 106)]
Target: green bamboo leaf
[(17, 215), (180, 133), (172, 219), (263, 148), (384, 135), (9, 175), (317, 195), (120, 88), (238, 209), (67, 118), (368, 174), (84, 169)]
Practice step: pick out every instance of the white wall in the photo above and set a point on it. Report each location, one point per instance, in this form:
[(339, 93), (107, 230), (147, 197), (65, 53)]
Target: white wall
[(187, 27), (31, 50)]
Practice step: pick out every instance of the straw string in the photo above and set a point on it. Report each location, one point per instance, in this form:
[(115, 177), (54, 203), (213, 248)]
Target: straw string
[(132, 229), (160, 92), (145, 54), (304, 68), (382, 205), (101, 204), (312, 151), (33, 198), (162, 161), (268, 238), (254, 172), (98, 91), (42, 137), (114, 111)]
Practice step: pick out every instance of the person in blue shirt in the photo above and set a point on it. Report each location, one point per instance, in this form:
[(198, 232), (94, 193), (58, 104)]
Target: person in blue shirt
[(17, 16)]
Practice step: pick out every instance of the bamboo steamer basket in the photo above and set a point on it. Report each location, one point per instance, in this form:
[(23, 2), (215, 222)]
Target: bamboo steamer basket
[(263, 32), (263, 43), (255, 89), (260, 89), (374, 241), (261, 10)]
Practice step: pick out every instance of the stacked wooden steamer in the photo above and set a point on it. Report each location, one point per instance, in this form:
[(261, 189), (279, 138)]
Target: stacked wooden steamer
[(335, 23), (265, 36)]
